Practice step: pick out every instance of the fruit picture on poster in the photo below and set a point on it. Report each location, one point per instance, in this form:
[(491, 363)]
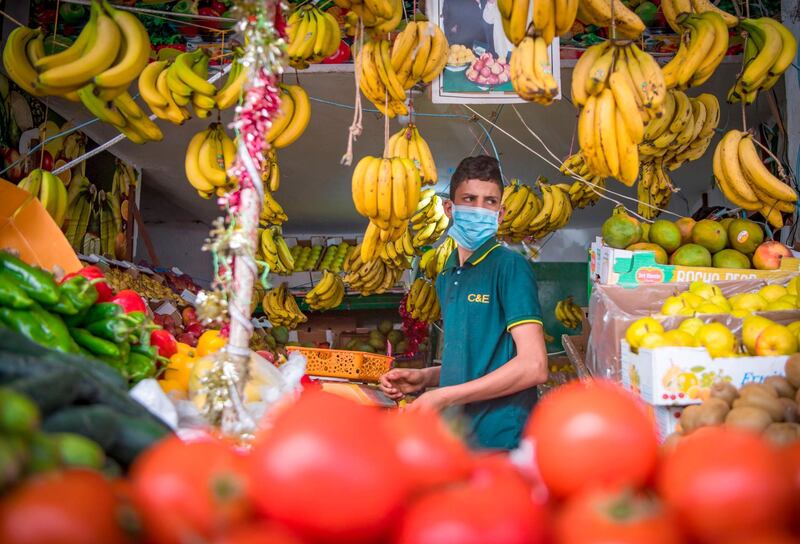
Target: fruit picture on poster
[(89, 201)]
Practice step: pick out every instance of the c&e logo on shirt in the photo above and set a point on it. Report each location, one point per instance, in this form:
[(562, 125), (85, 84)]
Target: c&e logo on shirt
[(483, 299)]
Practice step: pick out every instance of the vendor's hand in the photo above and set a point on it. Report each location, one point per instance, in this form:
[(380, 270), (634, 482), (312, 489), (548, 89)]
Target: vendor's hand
[(434, 400), (399, 382)]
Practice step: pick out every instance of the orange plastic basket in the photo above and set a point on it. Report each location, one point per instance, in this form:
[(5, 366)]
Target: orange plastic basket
[(351, 365)]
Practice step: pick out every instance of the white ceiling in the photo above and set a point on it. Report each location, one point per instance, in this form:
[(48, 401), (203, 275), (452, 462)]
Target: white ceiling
[(315, 188)]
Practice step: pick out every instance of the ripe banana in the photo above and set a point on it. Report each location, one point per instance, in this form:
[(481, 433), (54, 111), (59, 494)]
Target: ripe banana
[(313, 36), (408, 143), (531, 71), (295, 114), (50, 191), (386, 191), (421, 302), (569, 314), (769, 51), (327, 294), (281, 308)]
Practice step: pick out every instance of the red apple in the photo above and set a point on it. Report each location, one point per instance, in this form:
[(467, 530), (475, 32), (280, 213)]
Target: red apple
[(188, 338), (194, 328), (769, 254), (16, 173), (189, 315)]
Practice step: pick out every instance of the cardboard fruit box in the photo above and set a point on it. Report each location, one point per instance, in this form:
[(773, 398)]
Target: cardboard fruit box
[(680, 376), (612, 266)]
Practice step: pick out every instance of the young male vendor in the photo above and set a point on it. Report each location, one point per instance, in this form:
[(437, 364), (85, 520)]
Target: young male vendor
[(494, 351)]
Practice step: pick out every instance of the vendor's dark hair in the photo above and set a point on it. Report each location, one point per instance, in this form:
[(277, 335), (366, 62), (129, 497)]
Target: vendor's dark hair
[(480, 167)]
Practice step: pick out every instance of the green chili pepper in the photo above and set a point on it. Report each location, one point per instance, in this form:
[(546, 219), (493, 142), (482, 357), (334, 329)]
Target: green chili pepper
[(24, 323), (64, 306), (80, 292), (137, 318), (56, 331), (146, 350), (75, 320), (38, 284), (95, 345), (140, 367), (11, 295), (124, 352), (114, 330), (103, 312)]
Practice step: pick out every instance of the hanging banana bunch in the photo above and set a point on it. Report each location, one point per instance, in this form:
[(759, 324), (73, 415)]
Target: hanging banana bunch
[(408, 143), (275, 252), (422, 303), (272, 212), (429, 222), (271, 172), (231, 91), (209, 156), (432, 261), (398, 253), (582, 194), (327, 294), (672, 10), (378, 16), (555, 212), (419, 54), (292, 119), (371, 278), (281, 308), (532, 72), (704, 43), (569, 314), (313, 36), (521, 205), (654, 190)]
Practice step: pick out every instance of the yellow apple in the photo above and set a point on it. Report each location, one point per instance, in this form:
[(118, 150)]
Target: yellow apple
[(640, 328), (779, 305), (679, 338), (705, 290), (776, 340), (673, 305), (773, 292), (692, 300), (653, 340), (751, 302), (752, 327), (794, 286), (691, 325), (717, 339), (721, 301), (709, 308)]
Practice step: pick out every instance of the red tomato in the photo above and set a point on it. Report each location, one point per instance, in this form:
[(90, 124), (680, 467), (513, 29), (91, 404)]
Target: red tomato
[(427, 449), (187, 491), (723, 483), (258, 532), (791, 458), (477, 512), (325, 472), (69, 507), (599, 517), (590, 435)]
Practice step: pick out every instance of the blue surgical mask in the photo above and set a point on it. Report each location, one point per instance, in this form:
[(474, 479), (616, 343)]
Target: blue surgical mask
[(473, 226)]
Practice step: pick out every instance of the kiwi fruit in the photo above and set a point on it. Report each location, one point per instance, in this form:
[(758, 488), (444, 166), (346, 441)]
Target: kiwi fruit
[(782, 434), (781, 386), (725, 391), (766, 403), (793, 370), (748, 417), (689, 418), (790, 413), (745, 389), (712, 412)]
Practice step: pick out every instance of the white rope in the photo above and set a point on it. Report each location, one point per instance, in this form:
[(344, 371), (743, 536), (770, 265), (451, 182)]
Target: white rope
[(356, 127)]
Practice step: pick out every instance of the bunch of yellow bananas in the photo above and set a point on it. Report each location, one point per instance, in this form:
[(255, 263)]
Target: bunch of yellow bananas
[(419, 53), (684, 130), (376, 242), (620, 88), (275, 252), (110, 224), (110, 52), (387, 192), (521, 205), (551, 18), (327, 294), (231, 91), (209, 156), (769, 51), (378, 16), (281, 308), (673, 9), (747, 182), (432, 261), (704, 44), (271, 211), (655, 188), (408, 143), (379, 81), (80, 207), (292, 119), (601, 13), (568, 313), (169, 87), (123, 113), (313, 36), (50, 191), (582, 194), (422, 303), (370, 278), (397, 253), (429, 222), (555, 212), (271, 172), (532, 72)]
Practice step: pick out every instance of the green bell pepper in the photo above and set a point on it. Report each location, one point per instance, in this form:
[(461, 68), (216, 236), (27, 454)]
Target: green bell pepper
[(95, 345), (103, 312), (24, 323), (56, 330), (11, 295), (140, 367), (38, 284), (114, 330), (80, 292)]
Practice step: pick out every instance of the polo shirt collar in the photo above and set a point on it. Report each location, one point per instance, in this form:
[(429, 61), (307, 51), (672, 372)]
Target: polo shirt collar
[(477, 256)]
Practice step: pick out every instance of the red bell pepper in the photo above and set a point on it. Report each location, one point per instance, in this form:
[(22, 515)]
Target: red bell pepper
[(130, 301), (165, 342), (104, 292)]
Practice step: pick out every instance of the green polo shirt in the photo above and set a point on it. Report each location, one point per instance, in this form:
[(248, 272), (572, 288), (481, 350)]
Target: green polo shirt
[(481, 302)]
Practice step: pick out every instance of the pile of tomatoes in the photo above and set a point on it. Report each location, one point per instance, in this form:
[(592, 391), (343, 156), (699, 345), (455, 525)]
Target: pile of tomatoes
[(331, 471)]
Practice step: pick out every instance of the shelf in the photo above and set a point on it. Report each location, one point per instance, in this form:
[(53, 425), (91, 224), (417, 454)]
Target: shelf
[(386, 301)]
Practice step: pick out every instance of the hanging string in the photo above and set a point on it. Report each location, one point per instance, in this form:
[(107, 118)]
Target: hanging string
[(10, 18), (43, 128), (356, 128)]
